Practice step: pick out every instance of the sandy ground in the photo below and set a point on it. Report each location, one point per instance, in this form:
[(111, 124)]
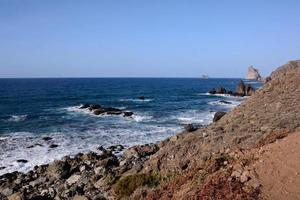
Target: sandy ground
[(278, 168)]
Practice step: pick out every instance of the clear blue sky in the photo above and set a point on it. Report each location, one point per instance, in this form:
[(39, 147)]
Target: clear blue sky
[(144, 38)]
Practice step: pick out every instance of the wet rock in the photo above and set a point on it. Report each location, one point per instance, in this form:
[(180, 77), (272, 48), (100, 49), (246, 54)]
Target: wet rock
[(114, 112), (22, 161), (221, 90), (84, 106), (218, 115), (225, 102), (99, 111), (95, 106), (47, 138), (53, 146), (141, 97), (127, 114)]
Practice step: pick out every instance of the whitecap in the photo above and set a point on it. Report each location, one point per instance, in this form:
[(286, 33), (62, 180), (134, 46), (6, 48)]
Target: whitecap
[(17, 118), (221, 95)]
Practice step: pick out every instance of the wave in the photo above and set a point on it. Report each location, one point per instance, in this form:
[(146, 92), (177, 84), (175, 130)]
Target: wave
[(229, 104), (195, 116), (17, 118), (37, 151), (221, 95), (141, 118)]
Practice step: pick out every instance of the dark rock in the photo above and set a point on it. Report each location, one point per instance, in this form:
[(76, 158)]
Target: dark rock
[(213, 91), (2, 168), (240, 89), (84, 106), (127, 114), (53, 146), (95, 106), (221, 90), (22, 161), (47, 138), (114, 112), (109, 109), (190, 128), (218, 115), (141, 97), (249, 90), (225, 102), (99, 111)]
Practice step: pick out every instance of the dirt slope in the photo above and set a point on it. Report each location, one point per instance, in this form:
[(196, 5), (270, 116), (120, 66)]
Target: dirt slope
[(278, 169), (272, 111)]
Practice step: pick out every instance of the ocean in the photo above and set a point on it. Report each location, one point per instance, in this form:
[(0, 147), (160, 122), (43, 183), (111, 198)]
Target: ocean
[(31, 109)]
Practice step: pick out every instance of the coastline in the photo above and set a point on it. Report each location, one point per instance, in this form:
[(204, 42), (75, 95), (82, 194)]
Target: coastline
[(213, 159)]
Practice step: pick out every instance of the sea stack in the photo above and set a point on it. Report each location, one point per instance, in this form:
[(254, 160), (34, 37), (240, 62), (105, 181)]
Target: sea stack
[(253, 74)]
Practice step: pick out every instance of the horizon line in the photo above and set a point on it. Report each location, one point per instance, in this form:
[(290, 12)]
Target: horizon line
[(133, 77)]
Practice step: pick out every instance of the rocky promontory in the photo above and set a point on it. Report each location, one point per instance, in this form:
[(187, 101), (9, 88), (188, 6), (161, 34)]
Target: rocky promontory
[(253, 74), (219, 161)]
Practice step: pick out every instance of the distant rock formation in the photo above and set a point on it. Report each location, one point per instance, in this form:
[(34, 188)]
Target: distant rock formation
[(253, 74)]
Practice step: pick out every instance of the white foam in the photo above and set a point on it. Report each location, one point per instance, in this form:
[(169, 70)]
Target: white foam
[(15, 146), (221, 95), (140, 118), (195, 116), (231, 104), (17, 118)]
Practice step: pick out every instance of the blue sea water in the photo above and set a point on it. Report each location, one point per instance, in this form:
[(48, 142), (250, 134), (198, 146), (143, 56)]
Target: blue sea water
[(31, 109)]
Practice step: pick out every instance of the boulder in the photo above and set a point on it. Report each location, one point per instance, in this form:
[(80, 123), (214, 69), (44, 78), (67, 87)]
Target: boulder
[(59, 169), (190, 127), (141, 97), (218, 115)]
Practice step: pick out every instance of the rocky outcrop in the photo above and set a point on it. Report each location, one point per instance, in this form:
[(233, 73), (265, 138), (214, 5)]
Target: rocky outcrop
[(97, 109), (253, 74), (86, 176), (218, 115), (242, 89)]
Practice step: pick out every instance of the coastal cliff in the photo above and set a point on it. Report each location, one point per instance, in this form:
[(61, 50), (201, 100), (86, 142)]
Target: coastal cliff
[(220, 161)]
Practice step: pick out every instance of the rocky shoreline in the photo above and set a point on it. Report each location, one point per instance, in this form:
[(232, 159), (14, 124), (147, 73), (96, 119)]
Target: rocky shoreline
[(213, 162)]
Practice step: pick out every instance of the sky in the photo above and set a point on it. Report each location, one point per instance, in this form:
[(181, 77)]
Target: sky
[(142, 38)]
